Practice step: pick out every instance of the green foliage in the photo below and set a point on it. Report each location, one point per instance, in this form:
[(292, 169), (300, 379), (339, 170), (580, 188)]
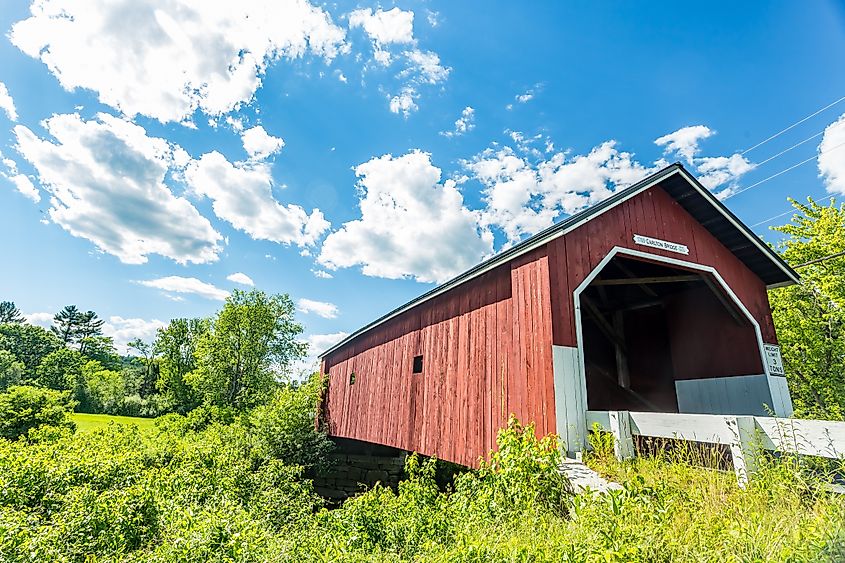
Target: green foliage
[(251, 344), (287, 425), (9, 313), (11, 370), (73, 327), (61, 370), (810, 316), (29, 344), (104, 389), (176, 347), (23, 408)]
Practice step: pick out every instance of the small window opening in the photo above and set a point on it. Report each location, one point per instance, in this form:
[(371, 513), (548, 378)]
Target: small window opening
[(352, 378), (417, 364)]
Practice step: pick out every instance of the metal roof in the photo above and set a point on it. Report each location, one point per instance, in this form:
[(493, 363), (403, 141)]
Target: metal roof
[(684, 188)]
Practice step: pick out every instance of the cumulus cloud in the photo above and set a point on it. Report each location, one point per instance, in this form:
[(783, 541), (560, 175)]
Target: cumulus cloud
[(404, 102), (21, 182), (241, 193), (124, 331), (106, 181), (167, 58), (322, 274), (319, 308), (7, 104), (831, 160), (384, 27), (684, 142), (391, 33), (525, 191), (241, 278), (464, 124), (186, 285), (717, 171), (40, 319), (411, 225), (259, 144)]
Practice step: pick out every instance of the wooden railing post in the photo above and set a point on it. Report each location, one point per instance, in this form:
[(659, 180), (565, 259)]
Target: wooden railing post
[(623, 441), (743, 447)]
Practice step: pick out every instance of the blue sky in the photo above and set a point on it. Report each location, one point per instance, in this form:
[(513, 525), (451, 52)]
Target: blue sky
[(353, 154)]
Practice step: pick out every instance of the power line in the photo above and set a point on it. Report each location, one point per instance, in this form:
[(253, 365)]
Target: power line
[(786, 212), (789, 149), (794, 166), (781, 132)]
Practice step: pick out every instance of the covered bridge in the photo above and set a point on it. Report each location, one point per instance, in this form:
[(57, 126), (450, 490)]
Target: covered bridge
[(652, 300)]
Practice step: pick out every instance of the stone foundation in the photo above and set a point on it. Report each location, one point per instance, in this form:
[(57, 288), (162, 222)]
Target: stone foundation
[(357, 466)]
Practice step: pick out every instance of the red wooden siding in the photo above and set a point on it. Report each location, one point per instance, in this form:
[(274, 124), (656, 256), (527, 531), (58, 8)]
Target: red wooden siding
[(486, 348), (652, 213)]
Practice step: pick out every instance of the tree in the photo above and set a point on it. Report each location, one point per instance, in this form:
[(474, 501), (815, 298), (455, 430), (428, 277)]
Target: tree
[(11, 370), (60, 370), (100, 348), (9, 313), (66, 324), (73, 327), (28, 343), (810, 316), (104, 389), (150, 374), (251, 345), (176, 347)]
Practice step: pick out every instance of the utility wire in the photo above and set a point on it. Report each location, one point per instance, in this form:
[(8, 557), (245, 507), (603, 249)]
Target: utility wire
[(786, 213), (789, 149), (794, 166), (781, 132)]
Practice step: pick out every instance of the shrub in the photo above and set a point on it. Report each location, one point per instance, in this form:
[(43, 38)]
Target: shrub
[(23, 407), (286, 425)]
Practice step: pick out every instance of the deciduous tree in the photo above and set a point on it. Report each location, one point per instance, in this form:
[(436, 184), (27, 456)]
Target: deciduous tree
[(810, 316), (175, 347), (250, 347)]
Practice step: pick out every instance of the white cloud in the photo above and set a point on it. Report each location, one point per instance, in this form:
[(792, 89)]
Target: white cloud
[(21, 182), (241, 278), (391, 32), (684, 142), (7, 104), (385, 27), (180, 284), (124, 331), (319, 308), (241, 193), (525, 191), (464, 124), (258, 144), (167, 58), (719, 170), (411, 225), (425, 67), (106, 179), (322, 274), (832, 164), (404, 102), (41, 319)]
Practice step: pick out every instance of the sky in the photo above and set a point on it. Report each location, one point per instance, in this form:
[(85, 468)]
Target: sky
[(157, 154)]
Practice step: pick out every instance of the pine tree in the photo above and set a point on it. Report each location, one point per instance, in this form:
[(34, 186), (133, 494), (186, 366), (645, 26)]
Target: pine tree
[(66, 324), (9, 313)]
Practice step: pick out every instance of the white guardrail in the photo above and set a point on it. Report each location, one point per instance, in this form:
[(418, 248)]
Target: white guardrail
[(743, 434)]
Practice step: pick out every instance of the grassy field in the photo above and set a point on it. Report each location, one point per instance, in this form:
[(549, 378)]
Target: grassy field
[(88, 422)]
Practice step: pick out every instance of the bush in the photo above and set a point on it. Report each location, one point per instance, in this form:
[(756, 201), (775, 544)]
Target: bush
[(23, 408), (287, 425)]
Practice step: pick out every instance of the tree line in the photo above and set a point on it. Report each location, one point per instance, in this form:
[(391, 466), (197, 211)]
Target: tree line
[(236, 358)]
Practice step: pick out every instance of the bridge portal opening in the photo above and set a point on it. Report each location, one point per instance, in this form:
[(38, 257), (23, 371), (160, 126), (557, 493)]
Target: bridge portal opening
[(648, 325)]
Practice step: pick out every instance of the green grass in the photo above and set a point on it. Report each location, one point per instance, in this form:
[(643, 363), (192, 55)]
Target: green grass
[(88, 422)]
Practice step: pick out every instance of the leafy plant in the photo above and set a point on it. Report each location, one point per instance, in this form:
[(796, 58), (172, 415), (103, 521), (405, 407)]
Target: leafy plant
[(23, 408)]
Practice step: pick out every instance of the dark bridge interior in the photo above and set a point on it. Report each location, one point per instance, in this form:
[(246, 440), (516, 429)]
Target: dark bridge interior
[(646, 325)]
